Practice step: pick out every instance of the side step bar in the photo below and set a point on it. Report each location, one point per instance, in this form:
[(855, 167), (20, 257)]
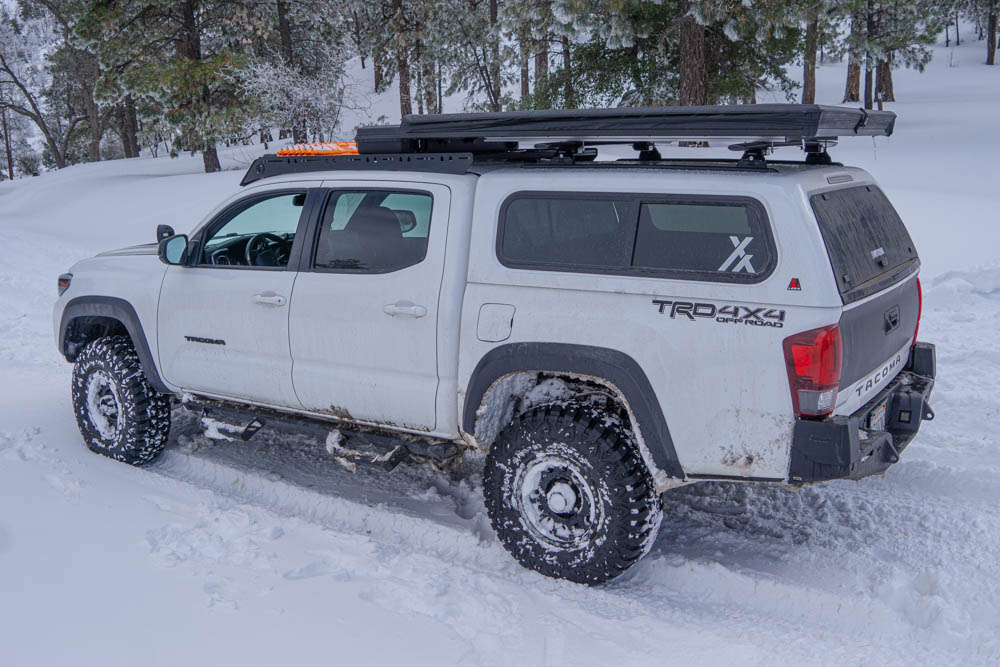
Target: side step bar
[(352, 444)]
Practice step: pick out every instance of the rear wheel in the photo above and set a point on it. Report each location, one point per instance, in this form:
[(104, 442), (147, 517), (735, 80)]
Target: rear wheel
[(119, 414), (569, 494)]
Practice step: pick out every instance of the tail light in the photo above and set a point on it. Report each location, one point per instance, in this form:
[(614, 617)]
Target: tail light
[(814, 359), (920, 310)]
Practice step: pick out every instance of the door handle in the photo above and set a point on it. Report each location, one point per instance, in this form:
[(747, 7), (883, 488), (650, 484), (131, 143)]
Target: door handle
[(270, 299), (404, 309)]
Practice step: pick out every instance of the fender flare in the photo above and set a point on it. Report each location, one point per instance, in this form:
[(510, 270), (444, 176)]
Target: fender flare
[(116, 309), (616, 368)]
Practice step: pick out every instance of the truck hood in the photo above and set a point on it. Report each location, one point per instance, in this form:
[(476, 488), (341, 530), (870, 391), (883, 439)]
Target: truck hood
[(143, 249)]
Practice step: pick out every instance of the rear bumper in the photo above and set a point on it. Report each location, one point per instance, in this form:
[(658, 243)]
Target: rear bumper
[(844, 448)]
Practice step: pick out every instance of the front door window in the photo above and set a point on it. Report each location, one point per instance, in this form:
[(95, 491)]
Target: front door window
[(258, 233)]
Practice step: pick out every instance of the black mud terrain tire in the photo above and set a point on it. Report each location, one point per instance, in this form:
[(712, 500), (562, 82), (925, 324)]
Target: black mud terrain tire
[(569, 495), (119, 414)]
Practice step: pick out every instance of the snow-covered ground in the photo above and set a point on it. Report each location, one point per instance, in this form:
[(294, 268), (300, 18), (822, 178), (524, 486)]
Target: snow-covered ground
[(270, 553)]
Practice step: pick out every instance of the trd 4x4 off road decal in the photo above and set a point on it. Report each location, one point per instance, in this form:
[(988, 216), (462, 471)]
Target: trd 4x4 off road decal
[(759, 316)]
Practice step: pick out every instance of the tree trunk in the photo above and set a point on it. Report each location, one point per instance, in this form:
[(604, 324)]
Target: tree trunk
[(809, 59), (377, 71), (883, 82), (693, 71), (525, 81), (869, 98), (6, 142), (493, 66), (430, 86), (419, 56), (947, 35), (991, 34), (94, 128), (210, 157), (958, 39), (852, 89), (568, 92), (540, 100), (285, 33), (300, 131), (403, 73), (130, 128), (869, 31)]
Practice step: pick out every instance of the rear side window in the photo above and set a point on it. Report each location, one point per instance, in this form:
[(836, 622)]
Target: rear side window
[(587, 232), (867, 241), (715, 238), (706, 237)]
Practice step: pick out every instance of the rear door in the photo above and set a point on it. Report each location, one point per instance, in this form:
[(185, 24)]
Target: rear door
[(875, 264), (363, 319)]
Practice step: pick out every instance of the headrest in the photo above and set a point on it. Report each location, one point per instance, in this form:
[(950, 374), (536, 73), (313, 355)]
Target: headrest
[(374, 220)]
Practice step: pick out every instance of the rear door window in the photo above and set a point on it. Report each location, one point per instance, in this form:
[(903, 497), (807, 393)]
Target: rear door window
[(867, 241), (373, 231)]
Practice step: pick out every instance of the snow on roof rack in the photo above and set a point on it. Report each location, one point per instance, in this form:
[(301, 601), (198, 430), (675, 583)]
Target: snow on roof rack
[(496, 132)]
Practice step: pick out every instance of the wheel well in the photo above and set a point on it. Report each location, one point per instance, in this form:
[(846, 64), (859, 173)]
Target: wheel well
[(86, 328), (516, 393), (612, 370)]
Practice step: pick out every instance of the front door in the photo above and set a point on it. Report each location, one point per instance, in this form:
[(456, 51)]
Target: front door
[(223, 318), (363, 321)]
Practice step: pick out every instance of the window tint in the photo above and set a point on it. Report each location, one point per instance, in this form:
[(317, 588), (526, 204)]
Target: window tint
[(712, 237), (582, 232), (374, 231), (258, 232), (704, 237)]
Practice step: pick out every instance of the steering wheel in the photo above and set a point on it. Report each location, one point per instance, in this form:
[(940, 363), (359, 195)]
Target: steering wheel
[(267, 242)]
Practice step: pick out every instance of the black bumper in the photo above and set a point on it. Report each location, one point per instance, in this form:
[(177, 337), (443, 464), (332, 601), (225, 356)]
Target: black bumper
[(843, 447)]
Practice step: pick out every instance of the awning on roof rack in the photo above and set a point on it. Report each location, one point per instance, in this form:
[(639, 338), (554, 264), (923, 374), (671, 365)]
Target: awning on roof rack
[(759, 122)]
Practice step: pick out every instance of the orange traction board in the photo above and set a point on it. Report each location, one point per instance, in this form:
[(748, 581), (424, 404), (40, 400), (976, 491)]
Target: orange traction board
[(320, 148)]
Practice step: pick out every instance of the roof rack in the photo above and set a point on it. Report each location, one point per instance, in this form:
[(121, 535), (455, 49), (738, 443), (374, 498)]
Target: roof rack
[(487, 132), (451, 143)]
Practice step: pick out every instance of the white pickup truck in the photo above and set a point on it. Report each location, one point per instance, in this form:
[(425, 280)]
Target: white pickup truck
[(604, 330)]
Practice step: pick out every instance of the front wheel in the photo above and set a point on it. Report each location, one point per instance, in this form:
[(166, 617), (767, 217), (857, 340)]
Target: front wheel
[(569, 495), (119, 414)]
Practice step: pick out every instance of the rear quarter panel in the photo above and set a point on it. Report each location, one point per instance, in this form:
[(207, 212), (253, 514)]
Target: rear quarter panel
[(722, 387)]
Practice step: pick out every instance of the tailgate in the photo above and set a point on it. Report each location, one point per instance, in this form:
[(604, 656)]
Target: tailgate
[(876, 334)]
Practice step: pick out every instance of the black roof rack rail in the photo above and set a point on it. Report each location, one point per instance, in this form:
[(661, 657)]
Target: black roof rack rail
[(273, 165), (743, 122)]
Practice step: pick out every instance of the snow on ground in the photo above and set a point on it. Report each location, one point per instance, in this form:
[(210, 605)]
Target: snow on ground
[(269, 552)]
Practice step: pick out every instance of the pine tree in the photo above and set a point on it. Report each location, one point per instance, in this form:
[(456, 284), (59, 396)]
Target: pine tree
[(180, 53)]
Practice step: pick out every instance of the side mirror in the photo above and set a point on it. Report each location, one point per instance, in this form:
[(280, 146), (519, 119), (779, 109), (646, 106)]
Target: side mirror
[(173, 249), (164, 232)]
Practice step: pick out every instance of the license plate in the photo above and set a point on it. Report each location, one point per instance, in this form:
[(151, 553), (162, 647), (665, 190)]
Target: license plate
[(876, 418)]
